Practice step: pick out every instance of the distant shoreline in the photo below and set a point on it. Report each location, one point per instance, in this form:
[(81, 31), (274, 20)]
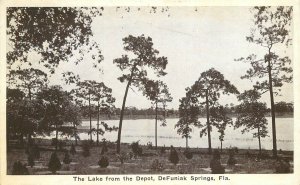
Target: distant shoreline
[(136, 117)]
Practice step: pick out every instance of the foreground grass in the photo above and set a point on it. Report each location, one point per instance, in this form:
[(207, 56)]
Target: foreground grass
[(199, 164)]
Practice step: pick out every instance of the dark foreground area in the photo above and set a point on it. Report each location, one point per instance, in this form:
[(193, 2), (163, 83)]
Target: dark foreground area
[(102, 159)]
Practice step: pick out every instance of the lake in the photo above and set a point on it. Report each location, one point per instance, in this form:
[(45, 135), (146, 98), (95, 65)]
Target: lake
[(143, 130)]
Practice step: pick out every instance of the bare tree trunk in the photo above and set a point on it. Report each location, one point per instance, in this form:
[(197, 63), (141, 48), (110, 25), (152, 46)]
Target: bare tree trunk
[(29, 141), (186, 142), (56, 136), (208, 124), (75, 130), (259, 144), (122, 113), (221, 146), (272, 106), (156, 125), (98, 118), (91, 139)]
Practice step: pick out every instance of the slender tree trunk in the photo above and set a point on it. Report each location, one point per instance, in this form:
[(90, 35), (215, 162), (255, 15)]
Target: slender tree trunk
[(156, 125), (90, 114), (21, 139), (75, 130), (29, 93), (56, 136), (186, 142), (122, 113), (98, 118), (221, 146), (259, 144), (272, 106), (208, 124), (29, 134)]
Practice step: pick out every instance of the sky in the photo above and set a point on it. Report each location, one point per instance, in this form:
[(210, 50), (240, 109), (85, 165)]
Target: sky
[(194, 39)]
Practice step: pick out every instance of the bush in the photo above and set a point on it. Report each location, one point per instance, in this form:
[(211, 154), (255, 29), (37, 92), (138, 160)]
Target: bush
[(61, 145), (216, 154), (149, 145), (282, 166), (35, 151), (19, 169), (131, 155), (188, 154), (173, 158), (103, 162), (30, 160), (122, 157), (163, 150), (104, 147), (136, 149), (263, 156), (67, 159), (54, 141), (215, 164), (248, 154), (216, 167), (72, 150), (86, 149), (157, 166), (231, 161), (54, 163)]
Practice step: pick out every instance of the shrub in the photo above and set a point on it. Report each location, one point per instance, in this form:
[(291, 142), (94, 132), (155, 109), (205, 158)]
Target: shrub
[(131, 155), (72, 150), (231, 161), (216, 154), (248, 154), (54, 163), (104, 147), (163, 150), (54, 141), (61, 145), (67, 159), (30, 160), (122, 157), (35, 151), (19, 169), (263, 156), (188, 154), (157, 165), (236, 150), (136, 149), (282, 166), (86, 149), (149, 145), (173, 158), (216, 167), (215, 164), (103, 162)]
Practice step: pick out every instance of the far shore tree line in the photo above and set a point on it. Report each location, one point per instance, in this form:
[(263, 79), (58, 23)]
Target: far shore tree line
[(281, 108), (56, 34)]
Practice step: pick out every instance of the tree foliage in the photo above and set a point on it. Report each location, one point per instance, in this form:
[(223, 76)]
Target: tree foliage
[(188, 117), (52, 32), (251, 115), (215, 84), (28, 80)]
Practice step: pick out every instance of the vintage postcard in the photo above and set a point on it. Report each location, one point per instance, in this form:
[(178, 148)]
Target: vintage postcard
[(149, 92)]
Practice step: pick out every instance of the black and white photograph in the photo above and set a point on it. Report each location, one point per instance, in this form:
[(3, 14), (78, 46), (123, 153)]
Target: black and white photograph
[(149, 90)]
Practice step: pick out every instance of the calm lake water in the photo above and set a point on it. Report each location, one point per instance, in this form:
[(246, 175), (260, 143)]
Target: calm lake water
[(143, 130)]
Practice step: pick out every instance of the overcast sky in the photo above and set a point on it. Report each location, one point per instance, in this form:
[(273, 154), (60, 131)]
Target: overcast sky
[(193, 41)]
